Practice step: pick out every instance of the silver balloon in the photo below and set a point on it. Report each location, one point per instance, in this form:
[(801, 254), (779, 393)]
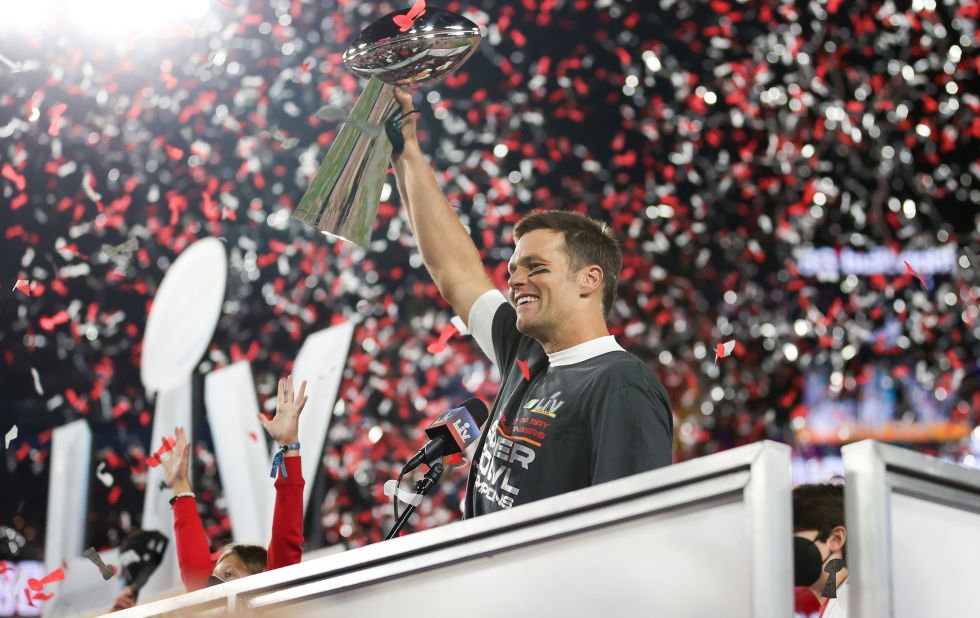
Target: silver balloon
[(342, 200)]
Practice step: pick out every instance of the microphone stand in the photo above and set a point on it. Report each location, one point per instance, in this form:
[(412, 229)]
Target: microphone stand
[(422, 487)]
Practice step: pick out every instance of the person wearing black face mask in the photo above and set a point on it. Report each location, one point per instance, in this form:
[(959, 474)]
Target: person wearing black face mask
[(819, 553)]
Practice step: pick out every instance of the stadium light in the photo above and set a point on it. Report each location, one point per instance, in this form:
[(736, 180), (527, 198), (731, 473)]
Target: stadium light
[(102, 18)]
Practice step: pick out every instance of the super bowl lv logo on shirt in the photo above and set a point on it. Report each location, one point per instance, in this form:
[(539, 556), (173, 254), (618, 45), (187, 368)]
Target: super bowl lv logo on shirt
[(510, 448)]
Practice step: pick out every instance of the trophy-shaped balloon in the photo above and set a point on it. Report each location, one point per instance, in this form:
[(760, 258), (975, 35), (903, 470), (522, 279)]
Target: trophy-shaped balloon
[(343, 198)]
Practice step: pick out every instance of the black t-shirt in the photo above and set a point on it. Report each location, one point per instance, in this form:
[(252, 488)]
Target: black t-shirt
[(566, 427)]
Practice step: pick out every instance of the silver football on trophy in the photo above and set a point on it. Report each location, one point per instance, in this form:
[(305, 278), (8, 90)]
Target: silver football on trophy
[(399, 49), (437, 42)]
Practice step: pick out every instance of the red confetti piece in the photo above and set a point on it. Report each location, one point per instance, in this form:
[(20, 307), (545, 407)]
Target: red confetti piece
[(50, 323), (11, 174), (23, 286), (154, 459), (404, 22), (3, 567), (27, 593), (56, 111), (522, 365), (40, 596), (54, 576), (438, 346), (254, 436), (114, 495), (911, 271), (227, 4), (724, 349)]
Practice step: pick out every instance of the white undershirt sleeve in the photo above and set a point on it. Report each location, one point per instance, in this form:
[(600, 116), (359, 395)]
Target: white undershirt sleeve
[(480, 322)]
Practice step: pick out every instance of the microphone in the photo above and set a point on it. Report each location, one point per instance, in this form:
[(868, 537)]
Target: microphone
[(451, 433)]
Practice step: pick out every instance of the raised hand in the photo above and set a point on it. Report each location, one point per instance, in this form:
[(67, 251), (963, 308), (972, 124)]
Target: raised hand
[(176, 462), (284, 426)]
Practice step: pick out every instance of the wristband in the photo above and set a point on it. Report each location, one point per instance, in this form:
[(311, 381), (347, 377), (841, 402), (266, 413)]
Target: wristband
[(277, 461), (393, 129), (183, 494)]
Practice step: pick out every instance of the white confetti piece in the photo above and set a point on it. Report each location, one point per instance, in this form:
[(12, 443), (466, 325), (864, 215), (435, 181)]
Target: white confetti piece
[(88, 185), (103, 476), (37, 381), (391, 487), (10, 437)]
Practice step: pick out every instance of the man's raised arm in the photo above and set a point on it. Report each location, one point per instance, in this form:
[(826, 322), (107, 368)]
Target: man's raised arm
[(447, 249)]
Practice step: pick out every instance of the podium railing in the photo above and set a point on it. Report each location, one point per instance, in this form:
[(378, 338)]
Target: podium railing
[(705, 537), (913, 533)]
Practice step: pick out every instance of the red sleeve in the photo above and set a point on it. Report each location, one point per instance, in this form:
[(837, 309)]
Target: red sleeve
[(286, 546), (193, 551)]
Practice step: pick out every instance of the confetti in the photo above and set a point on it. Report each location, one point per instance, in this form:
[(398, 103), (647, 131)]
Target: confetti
[(37, 381), (123, 249), (108, 571), (52, 322), (972, 258), (23, 286), (14, 67), (154, 459), (405, 22), (104, 476), (522, 365), (54, 576), (911, 271), (10, 437), (88, 185), (724, 349), (391, 488), (438, 346), (3, 567)]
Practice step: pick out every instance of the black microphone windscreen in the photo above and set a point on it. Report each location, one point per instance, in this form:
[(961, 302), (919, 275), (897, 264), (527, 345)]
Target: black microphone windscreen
[(477, 409)]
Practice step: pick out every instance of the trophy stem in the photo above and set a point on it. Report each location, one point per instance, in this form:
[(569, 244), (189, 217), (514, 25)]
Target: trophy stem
[(343, 198)]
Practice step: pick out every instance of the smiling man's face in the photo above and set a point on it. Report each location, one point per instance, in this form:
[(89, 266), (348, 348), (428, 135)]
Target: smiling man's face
[(542, 286)]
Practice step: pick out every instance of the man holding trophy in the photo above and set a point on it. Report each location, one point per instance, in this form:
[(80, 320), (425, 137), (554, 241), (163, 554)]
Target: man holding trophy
[(574, 408)]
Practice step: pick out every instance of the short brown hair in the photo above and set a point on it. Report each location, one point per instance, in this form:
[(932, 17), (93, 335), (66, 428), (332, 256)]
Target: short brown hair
[(587, 242), (253, 557), (818, 507)]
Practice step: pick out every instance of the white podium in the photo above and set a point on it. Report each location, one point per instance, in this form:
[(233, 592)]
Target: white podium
[(708, 537), (913, 533)]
